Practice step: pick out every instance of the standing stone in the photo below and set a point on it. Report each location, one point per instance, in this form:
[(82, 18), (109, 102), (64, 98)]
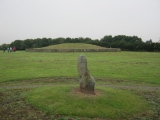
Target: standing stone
[(87, 82)]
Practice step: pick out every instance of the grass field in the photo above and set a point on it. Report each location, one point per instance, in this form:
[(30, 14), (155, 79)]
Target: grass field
[(133, 66), (128, 84)]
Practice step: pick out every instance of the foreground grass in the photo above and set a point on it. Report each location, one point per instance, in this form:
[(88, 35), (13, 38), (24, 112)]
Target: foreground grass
[(107, 103), (14, 107), (134, 66)]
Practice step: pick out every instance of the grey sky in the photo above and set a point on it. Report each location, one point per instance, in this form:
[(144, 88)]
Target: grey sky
[(26, 19)]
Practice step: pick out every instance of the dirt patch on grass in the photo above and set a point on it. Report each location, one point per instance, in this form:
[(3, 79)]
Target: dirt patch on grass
[(78, 92)]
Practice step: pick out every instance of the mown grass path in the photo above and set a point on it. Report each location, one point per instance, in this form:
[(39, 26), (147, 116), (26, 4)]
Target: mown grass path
[(30, 85), (14, 106)]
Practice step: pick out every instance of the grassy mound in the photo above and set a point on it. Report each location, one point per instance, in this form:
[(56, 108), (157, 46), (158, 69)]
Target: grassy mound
[(107, 103), (73, 46)]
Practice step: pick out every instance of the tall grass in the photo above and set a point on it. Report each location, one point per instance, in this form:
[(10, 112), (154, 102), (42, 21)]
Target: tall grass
[(134, 66)]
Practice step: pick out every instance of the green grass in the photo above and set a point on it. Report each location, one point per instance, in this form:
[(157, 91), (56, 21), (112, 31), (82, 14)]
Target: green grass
[(73, 46), (138, 67), (133, 66), (109, 103)]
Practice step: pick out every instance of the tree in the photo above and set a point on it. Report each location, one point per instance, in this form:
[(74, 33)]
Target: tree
[(149, 41), (18, 44), (130, 43), (106, 41)]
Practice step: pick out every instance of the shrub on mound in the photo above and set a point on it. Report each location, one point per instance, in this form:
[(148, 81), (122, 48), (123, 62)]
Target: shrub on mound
[(106, 103)]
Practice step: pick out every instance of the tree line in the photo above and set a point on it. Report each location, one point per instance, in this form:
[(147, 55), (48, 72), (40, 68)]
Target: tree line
[(126, 43)]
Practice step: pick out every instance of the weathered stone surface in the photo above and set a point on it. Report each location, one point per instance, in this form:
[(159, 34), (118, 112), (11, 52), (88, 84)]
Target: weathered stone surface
[(87, 82), (74, 50)]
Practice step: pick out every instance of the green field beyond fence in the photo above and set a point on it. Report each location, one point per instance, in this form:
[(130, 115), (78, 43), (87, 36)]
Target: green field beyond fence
[(132, 66)]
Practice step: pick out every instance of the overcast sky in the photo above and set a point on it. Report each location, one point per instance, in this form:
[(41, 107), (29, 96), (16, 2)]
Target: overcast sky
[(30, 19)]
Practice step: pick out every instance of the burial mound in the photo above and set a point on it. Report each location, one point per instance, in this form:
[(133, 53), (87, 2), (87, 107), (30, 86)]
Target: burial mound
[(73, 47)]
